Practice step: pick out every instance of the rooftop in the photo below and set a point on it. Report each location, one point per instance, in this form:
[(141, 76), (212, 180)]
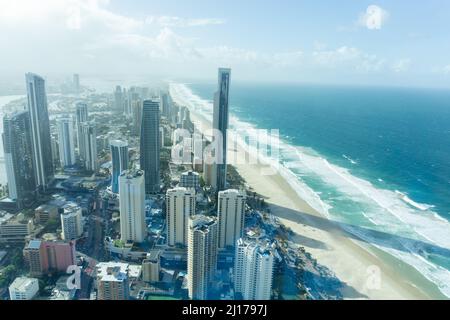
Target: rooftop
[(190, 173), (22, 283), (34, 244), (130, 174), (118, 143), (202, 222), (117, 271)]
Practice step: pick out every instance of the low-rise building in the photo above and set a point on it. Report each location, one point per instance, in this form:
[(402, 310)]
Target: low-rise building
[(151, 266), (71, 224), (49, 256), (15, 228), (45, 212), (23, 288), (113, 280)]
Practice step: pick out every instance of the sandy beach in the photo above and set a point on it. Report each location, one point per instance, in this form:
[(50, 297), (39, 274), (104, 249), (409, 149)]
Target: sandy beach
[(368, 273)]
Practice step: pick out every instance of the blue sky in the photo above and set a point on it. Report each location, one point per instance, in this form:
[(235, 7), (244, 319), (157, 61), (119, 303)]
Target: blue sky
[(348, 41)]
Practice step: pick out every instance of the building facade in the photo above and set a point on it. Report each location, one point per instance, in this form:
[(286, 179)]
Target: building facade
[(49, 256), (112, 281), (71, 222), (119, 158), (82, 116), (231, 215), (23, 288), (66, 142), (190, 179), (150, 145), (151, 266), (253, 270), (132, 206), (220, 123), (180, 205), (89, 143), (202, 255), (40, 129), (18, 152)]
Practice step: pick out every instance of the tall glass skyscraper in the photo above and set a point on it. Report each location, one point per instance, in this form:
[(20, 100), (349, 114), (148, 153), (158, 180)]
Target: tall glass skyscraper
[(18, 150), (150, 145), (81, 116), (40, 129), (118, 99), (66, 142), (89, 142), (119, 158), (220, 122)]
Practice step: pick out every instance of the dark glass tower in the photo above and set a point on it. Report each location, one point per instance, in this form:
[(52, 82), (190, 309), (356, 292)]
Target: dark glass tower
[(150, 145), (18, 149), (220, 122)]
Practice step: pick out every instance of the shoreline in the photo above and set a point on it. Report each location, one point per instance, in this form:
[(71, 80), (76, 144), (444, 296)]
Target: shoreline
[(352, 261)]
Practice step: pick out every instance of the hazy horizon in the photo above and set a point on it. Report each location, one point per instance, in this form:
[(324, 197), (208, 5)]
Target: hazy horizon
[(363, 43)]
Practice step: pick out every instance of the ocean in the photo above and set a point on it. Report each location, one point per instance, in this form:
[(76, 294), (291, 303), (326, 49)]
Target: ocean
[(374, 159)]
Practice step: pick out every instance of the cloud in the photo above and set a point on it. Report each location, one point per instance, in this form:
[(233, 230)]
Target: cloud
[(374, 18), (348, 57), (401, 65), (173, 21)]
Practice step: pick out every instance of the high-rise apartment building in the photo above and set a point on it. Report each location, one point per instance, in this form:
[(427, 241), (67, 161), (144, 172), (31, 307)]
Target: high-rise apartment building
[(132, 206), (66, 142), (40, 129), (81, 116), (231, 214), (253, 270), (180, 205), (89, 143), (202, 255), (119, 159)]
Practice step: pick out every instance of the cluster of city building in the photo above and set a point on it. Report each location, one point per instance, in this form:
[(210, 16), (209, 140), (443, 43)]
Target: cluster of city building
[(209, 237)]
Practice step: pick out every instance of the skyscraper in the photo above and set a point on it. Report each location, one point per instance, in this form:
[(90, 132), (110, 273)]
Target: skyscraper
[(202, 255), (180, 205), (150, 145), (132, 206), (89, 143), (165, 105), (136, 112), (81, 116), (66, 142), (231, 214), (119, 158), (253, 270), (18, 151), (220, 123), (40, 129), (118, 100)]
